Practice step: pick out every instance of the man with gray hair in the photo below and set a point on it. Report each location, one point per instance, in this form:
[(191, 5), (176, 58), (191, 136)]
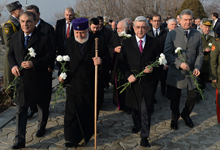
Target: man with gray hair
[(190, 41), (114, 51), (130, 29), (171, 24), (136, 52)]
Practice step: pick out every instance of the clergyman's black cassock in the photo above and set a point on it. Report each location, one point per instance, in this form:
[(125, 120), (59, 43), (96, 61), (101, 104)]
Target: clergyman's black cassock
[(79, 112)]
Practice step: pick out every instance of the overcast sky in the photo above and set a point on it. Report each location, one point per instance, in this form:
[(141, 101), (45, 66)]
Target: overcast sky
[(47, 7)]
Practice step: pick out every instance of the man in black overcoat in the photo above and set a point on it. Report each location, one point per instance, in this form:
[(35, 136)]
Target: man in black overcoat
[(61, 33), (156, 31), (117, 78), (49, 30), (33, 76), (79, 112), (136, 54)]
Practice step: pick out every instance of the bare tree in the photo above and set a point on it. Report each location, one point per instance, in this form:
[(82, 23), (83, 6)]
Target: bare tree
[(58, 15), (2, 10), (119, 9)]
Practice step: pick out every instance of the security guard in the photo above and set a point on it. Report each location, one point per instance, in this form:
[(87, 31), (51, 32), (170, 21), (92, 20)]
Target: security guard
[(11, 26), (208, 36)]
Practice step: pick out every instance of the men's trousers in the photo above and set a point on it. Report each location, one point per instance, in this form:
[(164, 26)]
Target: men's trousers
[(174, 94)]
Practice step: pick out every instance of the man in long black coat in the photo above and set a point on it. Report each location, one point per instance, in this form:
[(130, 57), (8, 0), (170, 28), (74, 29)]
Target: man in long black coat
[(79, 112), (117, 78), (49, 30), (136, 53), (33, 76)]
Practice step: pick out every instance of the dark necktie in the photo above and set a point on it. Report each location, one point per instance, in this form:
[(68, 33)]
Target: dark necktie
[(205, 35), (68, 30), (156, 34), (140, 46), (26, 41), (186, 33)]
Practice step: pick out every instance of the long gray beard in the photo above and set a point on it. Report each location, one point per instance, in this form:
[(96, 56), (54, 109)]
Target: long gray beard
[(84, 40), (120, 34)]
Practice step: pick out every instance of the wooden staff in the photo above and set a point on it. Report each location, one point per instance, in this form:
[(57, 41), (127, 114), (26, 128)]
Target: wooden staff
[(96, 91)]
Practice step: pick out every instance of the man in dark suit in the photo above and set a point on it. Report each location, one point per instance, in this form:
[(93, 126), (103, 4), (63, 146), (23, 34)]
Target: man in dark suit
[(94, 31), (216, 23), (64, 30), (156, 31), (116, 76), (114, 27), (107, 32), (33, 76), (135, 53), (190, 41), (104, 30), (130, 30), (49, 30), (79, 112)]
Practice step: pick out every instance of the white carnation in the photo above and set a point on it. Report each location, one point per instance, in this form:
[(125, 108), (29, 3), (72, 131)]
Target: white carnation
[(32, 54), (59, 58), (63, 76), (128, 35), (31, 50), (160, 61), (164, 61), (178, 49), (162, 55), (210, 44), (66, 58)]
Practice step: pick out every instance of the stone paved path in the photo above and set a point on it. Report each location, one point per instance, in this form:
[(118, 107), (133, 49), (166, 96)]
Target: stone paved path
[(114, 128)]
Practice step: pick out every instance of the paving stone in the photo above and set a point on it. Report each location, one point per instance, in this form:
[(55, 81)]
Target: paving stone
[(128, 142), (114, 128)]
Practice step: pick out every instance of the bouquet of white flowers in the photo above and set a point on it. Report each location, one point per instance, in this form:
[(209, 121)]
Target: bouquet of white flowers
[(13, 84), (161, 61), (60, 87)]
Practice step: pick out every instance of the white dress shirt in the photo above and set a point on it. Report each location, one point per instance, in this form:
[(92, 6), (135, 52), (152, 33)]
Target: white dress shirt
[(67, 26), (143, 41), (158, 31)]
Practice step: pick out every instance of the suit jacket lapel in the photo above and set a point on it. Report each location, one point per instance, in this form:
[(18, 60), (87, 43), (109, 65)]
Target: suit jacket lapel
[(135, 45), (181, 30), (147, 44)]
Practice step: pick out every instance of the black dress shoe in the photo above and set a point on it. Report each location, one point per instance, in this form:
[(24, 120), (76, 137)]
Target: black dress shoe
[(31, 113), (135, 129), (40, 132), (144, 142), (18, 145), (70, 144), (188, 121), (174, 121), (174, 125)]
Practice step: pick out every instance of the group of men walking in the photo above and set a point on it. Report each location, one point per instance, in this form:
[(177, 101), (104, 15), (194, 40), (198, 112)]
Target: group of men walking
[(126, 52)]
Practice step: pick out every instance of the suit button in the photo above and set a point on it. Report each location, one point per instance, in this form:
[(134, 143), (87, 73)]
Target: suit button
[(186, 47)]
